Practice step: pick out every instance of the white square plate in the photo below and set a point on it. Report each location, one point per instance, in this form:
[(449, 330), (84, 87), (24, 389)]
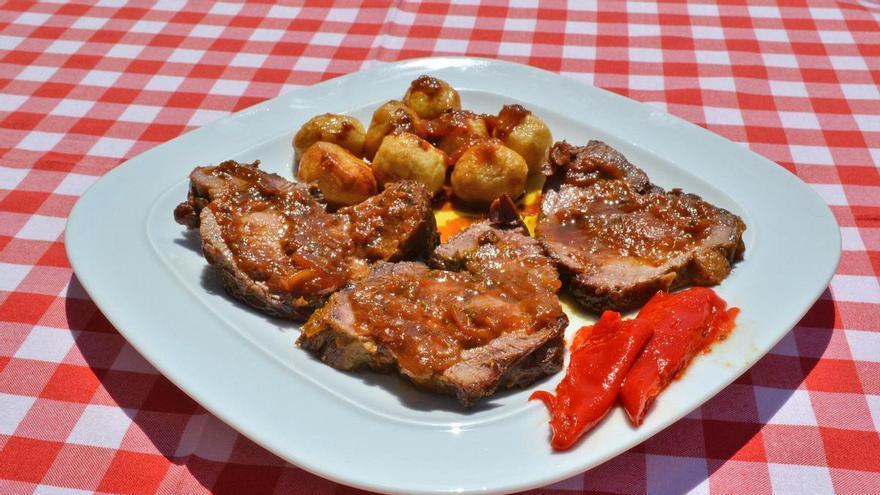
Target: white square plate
[(376, 432)]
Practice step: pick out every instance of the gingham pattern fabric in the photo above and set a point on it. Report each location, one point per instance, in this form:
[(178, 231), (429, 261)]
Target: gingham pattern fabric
[(85, 86)]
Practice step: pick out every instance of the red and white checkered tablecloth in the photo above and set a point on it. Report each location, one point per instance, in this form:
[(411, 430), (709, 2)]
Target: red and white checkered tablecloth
[(84, 86)]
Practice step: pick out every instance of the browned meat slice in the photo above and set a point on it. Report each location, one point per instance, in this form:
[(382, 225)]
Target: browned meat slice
[(483, 316), (278, 249), (616, 238)]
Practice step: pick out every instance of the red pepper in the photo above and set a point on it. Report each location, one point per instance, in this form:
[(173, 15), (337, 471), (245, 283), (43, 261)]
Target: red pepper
[(684, 323), (600, 357)]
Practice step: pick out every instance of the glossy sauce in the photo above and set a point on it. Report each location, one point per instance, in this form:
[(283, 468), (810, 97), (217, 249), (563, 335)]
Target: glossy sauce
[(280, 235), (299, 258), (508, 118), (336, 127), (427, 85), (610, 217), (347, 127), (429, 317), (485, 151), (455, 131), (377, 226), (404, 121), (450, 122)]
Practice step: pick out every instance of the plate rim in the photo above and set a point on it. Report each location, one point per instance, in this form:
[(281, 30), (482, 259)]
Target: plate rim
[(84, 268)]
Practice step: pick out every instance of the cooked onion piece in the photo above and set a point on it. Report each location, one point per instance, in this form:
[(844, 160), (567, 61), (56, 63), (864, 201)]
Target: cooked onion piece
[(391, 117), (486, 171), (344, 130), (343, 178), (407, 156), (523, 132), (457, 130), (430, 97)]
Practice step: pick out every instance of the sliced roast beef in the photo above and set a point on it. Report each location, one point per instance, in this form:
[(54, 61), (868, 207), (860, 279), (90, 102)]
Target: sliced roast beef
[(617, 239), (483, 316), (277, 248)]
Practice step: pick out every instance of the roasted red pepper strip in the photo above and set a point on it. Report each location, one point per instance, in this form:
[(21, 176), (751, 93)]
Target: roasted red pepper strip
[(600, 357), (684, 323)]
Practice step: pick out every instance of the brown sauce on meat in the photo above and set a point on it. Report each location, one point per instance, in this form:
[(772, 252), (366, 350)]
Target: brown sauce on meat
[(583, 166), (377, 225), (254, 214), (585, 170), (429, 317), (280, 235), (609, 217)]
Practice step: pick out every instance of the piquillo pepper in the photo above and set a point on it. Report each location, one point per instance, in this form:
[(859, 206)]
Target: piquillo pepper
[(601, 355), (635, 359), (684, 324)]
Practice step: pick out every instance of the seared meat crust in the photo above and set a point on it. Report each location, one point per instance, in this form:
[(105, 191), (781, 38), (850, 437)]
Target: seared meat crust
[(483, 316), (277, 248), (617, 239)]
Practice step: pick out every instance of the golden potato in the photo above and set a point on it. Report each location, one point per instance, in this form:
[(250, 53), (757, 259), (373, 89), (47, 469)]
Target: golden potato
[(523, 132), (456, 131), (430, 97), (390, 117), (343, 178), (407, 156), (344, 130), (486, 171)]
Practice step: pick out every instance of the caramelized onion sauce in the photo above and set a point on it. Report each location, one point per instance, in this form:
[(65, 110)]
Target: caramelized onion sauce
[(427, 85), (508, 118), (298, 258), (429, 317), (454, 132), (612, 218), (403, 121), (451, 122)]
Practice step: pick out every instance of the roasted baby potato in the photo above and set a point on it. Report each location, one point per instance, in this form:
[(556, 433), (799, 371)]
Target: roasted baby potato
[(523, 132), (344, 130), (430, 97), (391, 117), (343, 178), (457, 130), (407, 156), (487, 170)]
